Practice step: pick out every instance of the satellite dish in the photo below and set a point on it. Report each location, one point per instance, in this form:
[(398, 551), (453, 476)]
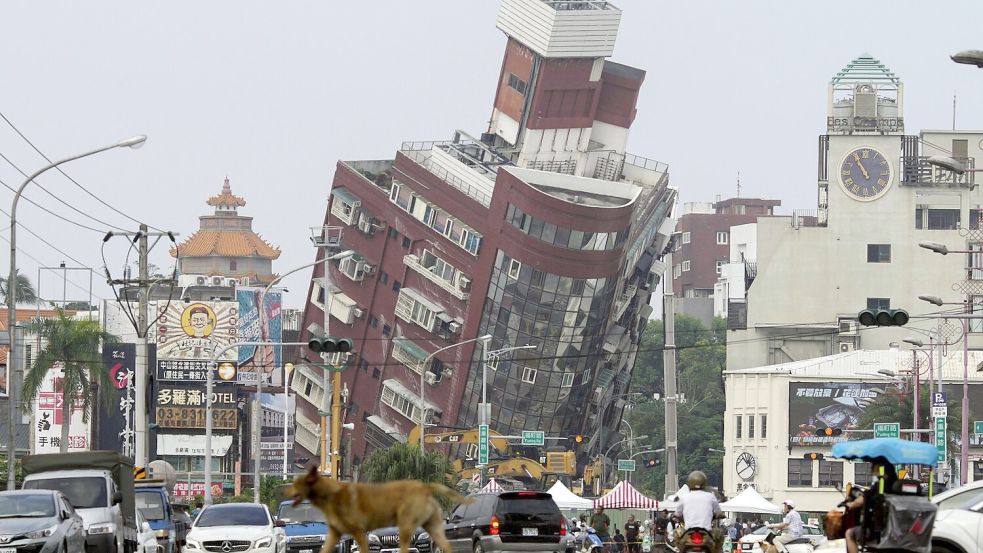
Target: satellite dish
[(162, 470)]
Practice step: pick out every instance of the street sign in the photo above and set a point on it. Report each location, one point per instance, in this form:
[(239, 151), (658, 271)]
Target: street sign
[(887, 430), (938, 398), (482, 444), (940, 411), (627, 465), (977, 427), (940, 432), (533, 437)]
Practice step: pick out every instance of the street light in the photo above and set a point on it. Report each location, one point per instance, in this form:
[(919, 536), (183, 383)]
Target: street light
[(935, 247), (423, 371), (12, 379), (604, 459), (969, 57), (934, 300), (914, 341)]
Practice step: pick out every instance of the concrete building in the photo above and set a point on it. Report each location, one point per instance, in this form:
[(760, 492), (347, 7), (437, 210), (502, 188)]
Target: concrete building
[(541, 231), (877, 199), (773, 411), (225, 248), (701, 247)]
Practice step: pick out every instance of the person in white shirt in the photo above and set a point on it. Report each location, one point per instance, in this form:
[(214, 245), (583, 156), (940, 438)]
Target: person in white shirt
[(791, 527), (698, 508)]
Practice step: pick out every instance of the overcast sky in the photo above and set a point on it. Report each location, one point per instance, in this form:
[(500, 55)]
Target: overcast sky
[(271, 94)]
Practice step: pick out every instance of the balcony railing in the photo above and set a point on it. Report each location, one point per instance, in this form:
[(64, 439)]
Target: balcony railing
[(621, 304), (567, 5), (420, 152), (916, 171), (413, 262)]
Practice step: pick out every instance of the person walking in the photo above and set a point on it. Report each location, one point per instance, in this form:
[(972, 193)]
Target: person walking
[(633, 537), (600, 522)]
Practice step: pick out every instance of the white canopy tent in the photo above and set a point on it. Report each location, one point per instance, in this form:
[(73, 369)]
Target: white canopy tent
[(750, 501), (566, 499)]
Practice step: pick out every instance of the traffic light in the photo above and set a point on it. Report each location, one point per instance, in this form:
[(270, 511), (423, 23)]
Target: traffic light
[(813, 456), (883, 317), (653, 462), (330, 344), (577, 440), (829, 432)]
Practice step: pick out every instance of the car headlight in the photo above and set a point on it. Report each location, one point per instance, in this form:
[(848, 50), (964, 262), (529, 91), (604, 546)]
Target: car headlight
[(423, 536), (264, 542), (374, 538), (38, 534), (191, 544), (109, 528), (162, 533)]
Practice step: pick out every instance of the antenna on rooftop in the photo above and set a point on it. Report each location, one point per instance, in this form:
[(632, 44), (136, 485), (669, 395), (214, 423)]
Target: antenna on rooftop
[(738, 184)]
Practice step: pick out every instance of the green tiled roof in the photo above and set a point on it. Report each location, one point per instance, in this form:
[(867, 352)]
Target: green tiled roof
[(865, 69)]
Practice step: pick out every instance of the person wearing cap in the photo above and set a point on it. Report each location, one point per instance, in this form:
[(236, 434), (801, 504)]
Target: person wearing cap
[(791, 527)]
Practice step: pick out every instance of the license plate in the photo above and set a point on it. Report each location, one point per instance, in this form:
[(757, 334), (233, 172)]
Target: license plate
[(8, 550), (525, 532), (306, 551)]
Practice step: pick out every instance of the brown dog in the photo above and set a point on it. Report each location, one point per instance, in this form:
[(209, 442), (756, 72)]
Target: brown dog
[(357, 508)]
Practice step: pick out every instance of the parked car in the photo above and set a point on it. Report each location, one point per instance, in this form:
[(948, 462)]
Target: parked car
[(507, 521), (235, 528), (751, 543), (386, 540), (958, 524), (305, 528), (38, 520), (146, 540)]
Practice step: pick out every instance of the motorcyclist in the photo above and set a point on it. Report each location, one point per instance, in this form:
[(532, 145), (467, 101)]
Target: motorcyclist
[(871, 504), (791, 527), (698, 508)]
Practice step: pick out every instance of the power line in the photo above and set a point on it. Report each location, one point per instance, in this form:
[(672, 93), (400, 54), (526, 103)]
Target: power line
[(42, 264), (48, 211), (34, 234), (66, 175)]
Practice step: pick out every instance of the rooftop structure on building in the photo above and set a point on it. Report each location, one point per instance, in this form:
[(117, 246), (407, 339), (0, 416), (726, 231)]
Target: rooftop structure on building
[(878, 198), (541, 230), (225, 248)]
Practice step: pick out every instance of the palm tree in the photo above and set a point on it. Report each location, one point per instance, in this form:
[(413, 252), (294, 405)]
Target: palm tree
[(401, 462), (25, 290), (73, 345)]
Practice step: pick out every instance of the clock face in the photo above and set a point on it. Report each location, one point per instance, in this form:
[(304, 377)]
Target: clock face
[(745, 466), (865, 174)]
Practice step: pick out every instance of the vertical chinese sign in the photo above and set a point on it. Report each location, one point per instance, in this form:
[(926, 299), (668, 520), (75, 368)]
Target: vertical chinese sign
[(260, 325), (47, 417), (115, 431)]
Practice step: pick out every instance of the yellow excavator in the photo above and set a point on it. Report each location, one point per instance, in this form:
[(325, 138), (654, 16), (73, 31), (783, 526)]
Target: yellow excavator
[(458, 437)]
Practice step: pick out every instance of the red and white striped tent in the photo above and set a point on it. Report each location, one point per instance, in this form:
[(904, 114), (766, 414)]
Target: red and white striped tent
[(625, 496), (492, 486)]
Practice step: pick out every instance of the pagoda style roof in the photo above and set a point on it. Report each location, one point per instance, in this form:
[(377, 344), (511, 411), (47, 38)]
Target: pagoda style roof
[(226, 243), (226, 198), (865, 69)]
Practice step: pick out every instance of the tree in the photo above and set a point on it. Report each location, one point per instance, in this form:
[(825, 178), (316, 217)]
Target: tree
[(895, 405), (73, 345), (401, 462), (25, 290), (700, 361)]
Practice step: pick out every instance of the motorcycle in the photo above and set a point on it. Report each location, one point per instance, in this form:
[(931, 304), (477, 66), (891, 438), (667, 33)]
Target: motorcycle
[(801, 545), (696, 539), (593, 543), (908, 516)]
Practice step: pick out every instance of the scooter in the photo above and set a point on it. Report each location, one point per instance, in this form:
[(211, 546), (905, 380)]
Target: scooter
[(801, 545), (696, 540), (593, 543)]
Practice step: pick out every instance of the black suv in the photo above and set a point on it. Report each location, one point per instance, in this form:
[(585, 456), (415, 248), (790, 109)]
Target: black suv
[(505, 522)]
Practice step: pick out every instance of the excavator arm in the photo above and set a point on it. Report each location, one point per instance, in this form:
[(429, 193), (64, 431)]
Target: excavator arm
[(459, 437)]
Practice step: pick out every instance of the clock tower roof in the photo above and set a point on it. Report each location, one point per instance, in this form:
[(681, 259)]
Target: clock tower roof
[(865, 69)]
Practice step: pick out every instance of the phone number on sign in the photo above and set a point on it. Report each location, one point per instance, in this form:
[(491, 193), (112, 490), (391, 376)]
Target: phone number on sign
[(194, 417)]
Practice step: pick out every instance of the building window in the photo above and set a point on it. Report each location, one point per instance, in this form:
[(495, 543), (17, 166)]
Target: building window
[(750, 426), (720, 265), (406, 405), (723, 237), (977, 471), (686, 237), (937, 219), (529, 375), (830, 474), (861, 474), (799, 473), (232, 265), (517, 84), (373, 321), (376, 373), (412, 308), (740, 209), (677, 270), (438, 267), (686, 266), (387, 330), (407, 242), (514, 268), (586, 378), (383, 277), (764, 426), (470, 241), (737, 429), (391, 232), (878, 253), (396, 286), (878, 303), (567, 380)]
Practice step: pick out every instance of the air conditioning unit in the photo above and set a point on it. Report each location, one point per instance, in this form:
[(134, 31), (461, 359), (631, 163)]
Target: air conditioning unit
[(190, 280), (848, 327), (368, 269), (454, 327), (846, 347), (357, 313), (244, 281), (464, 283), (216, 281), (201, 281), (231, 282), (365, 226), (430, 377)]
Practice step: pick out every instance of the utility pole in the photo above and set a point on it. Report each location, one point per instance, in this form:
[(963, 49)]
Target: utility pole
[(669, 375), (141, 325)]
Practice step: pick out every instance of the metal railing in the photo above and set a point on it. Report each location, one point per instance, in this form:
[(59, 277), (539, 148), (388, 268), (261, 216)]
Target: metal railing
[(421, 155), (570, 5), (917, 171)]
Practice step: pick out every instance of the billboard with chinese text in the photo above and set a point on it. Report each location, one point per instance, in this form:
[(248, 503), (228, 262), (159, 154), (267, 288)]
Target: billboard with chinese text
[(115, 429), (258, 324), (196, 331), (815, 405), (181, 406), (47, 417)]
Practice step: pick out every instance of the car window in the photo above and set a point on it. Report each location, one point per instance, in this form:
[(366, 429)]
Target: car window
[(26, 506), (458, 511), (151, 504), (233, 515), (305, 512), (529, 508), (963, 500), (83, 492)]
